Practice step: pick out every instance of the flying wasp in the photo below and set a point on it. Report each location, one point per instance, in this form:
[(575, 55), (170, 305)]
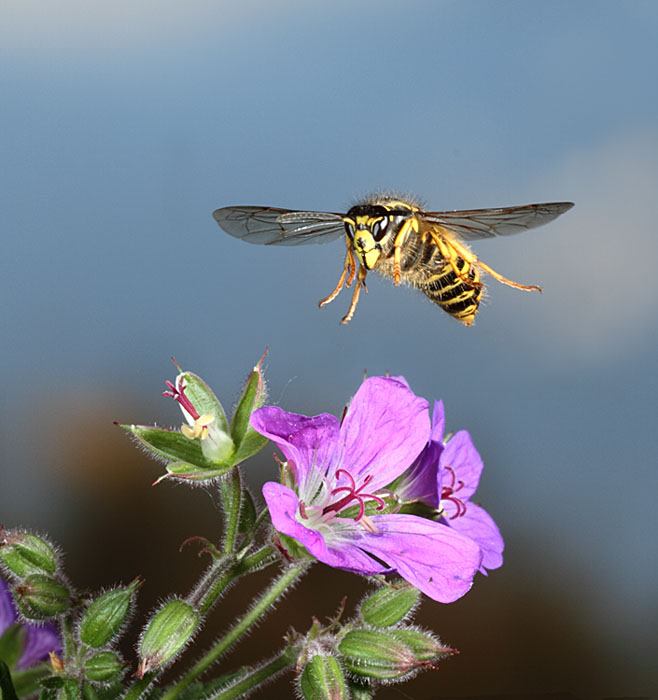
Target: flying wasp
[(395, 237)]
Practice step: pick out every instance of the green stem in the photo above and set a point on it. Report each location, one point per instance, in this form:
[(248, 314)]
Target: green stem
[(231, 490), (276, 590), (257, 676), (138, 687), (257, 560)]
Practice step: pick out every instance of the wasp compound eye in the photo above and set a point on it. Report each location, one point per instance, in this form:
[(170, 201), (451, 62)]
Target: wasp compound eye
[(379, 228)]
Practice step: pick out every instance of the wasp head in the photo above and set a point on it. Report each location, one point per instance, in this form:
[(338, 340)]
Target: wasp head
[(371, 230)]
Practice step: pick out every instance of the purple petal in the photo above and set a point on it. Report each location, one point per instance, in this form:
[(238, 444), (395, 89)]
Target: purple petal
[(461, 456), (438, 422), (384, 430), (7, 611), (283, 505), (40, 641), (307, 442), (479, 526), (432, 557)]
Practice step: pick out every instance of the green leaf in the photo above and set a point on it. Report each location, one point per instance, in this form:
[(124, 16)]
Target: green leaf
[(59, 688), (6, 685), (11, 644), (203, 399), (170, 444), (247, 512), (253, 396), (190, 472), (28, 680), (251, 444)]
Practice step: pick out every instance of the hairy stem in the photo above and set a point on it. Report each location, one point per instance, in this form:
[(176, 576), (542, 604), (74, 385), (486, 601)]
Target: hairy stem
[(260, 607)]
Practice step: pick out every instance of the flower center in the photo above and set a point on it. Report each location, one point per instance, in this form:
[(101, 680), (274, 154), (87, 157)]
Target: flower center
[(448, 494), (201, 423), (352, 493)]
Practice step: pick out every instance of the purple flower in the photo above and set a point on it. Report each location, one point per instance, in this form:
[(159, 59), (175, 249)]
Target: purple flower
[(445, 476), (336, 469), (38, 642)]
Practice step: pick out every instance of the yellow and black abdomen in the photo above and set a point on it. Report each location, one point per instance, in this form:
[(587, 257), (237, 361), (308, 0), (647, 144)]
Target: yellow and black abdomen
[(424, 267)]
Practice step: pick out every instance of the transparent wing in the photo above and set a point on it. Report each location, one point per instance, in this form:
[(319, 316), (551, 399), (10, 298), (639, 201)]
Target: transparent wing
[(472, 224), (271, 226)]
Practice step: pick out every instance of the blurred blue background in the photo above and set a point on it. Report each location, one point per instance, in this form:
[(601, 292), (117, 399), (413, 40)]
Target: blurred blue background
[(125, 124)]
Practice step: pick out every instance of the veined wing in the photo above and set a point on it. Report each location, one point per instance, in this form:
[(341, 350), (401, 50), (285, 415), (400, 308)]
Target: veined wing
[(272, 226), (472, 224)]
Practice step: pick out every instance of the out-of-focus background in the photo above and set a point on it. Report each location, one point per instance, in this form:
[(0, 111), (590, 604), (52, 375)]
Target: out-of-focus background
[(125, 124)]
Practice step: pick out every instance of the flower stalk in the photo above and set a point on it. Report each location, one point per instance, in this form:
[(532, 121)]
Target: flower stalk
[(260, 607)]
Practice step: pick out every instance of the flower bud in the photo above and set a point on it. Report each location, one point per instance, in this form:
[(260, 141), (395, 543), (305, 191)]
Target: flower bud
[(377, 655), (105, 616), (40, 597), (322, 679), (425, 646), (23, 553), (361, 692), (167, 633), (389, 605), (104, 667)]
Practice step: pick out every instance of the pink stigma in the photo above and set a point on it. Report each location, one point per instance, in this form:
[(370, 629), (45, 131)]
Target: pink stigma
[(179, 395), (353, 494), (447, 494)]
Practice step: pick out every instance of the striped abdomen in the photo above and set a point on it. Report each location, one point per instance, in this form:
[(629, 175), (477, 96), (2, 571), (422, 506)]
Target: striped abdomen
[(424, 267)]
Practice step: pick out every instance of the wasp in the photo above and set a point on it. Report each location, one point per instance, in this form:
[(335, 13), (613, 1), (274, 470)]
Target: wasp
[(395, 237)]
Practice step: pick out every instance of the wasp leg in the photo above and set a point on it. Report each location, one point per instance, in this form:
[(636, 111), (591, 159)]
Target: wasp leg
[(360, 283), (350, 277), (397, 245), (452, 249), (350, 264), (504, 280)]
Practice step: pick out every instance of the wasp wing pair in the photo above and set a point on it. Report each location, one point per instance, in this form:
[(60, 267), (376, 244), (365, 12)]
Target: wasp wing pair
[(395, 237)]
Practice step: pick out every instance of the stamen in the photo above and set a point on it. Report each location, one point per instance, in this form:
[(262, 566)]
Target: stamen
[(447, 494), (178, 394), (353, 494)]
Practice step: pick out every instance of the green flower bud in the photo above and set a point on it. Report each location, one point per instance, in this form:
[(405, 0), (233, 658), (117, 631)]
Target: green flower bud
[(104, 667), (166, 634), (424, 646), (105, 616), (23, 553), (377, 655), (361, 692), (322, 679), (247, 441), (389, 605), (40, 597)]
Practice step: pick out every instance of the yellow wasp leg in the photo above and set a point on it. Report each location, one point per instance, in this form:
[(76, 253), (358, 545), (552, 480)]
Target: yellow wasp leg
[(401, 236), (360, 283), (504, 280), (350, 264), (452, 249)]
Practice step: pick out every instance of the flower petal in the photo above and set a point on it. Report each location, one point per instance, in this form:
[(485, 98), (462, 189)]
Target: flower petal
[(7, 611), (384, 430), (460, 455), (343, 551), (39, 642), (434, 558), (479, 526), (307, 442)]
